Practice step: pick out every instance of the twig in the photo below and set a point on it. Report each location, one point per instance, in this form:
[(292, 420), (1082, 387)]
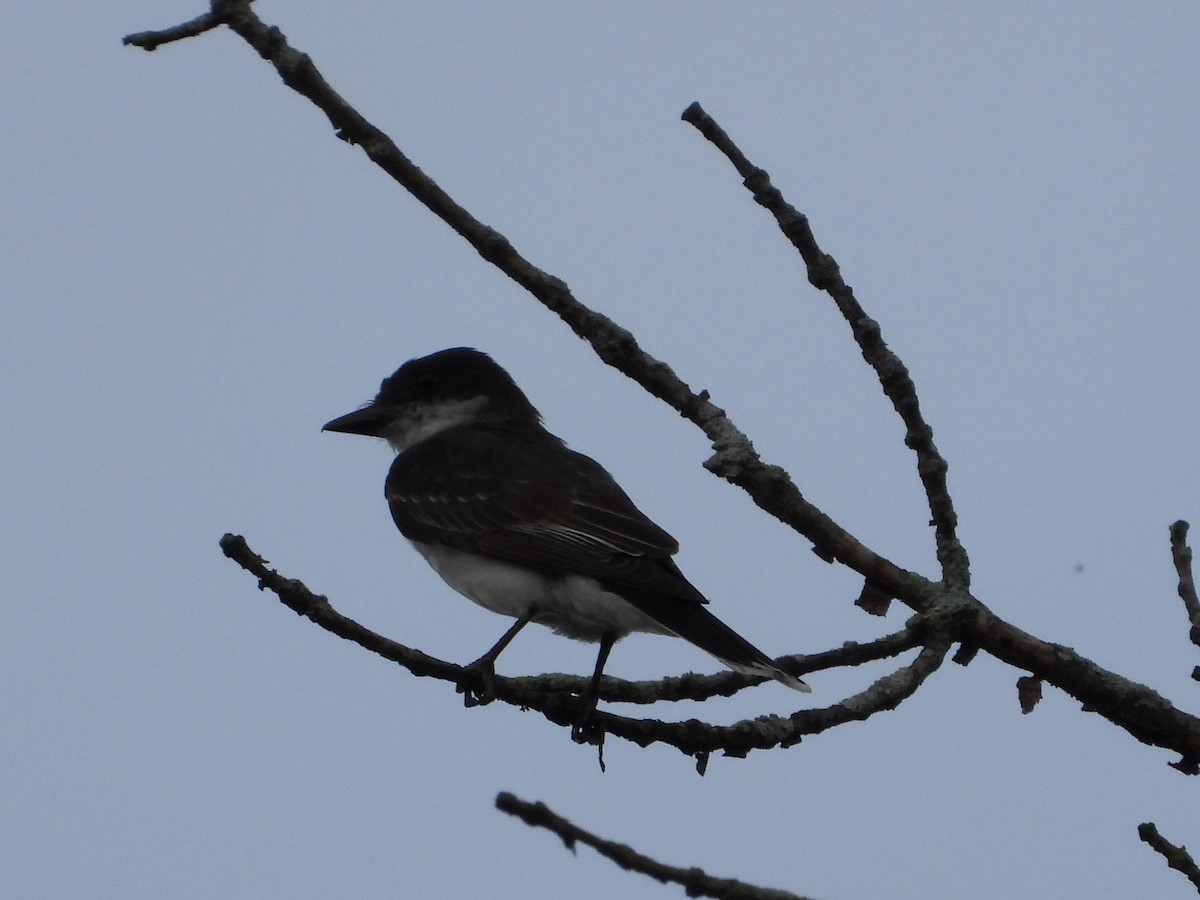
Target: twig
[(1181, 553), (736, 459), (555, 696), (697, 738), (1177, 857), (824, 275), (696, 882), (152, 40), (1140, 711), (316, 607)]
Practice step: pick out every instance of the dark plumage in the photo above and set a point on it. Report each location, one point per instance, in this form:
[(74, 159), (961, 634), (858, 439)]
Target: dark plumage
[(524, 526)]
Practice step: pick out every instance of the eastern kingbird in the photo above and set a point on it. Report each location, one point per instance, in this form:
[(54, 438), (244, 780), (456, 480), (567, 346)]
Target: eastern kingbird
[(511, 518)]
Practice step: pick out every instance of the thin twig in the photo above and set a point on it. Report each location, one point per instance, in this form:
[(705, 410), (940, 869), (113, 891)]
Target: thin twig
[(1140, 711), (1177, 857), (296, 596), (736, 459), (555, 696), (316, 607), (1181, 553), (697, 738), (152, 40), (696, 882), (824, 275)]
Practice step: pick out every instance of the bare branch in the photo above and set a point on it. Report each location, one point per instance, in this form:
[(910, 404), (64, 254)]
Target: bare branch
[(556, 696), (824, 275), (1140, 711), (736, 459), (152, 40), (1181, 553), (694, 880), (697, 738), (298, 598), (316, 607), (1177, 857)]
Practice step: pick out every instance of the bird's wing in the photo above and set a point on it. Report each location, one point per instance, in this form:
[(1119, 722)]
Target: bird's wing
[(519, 495)]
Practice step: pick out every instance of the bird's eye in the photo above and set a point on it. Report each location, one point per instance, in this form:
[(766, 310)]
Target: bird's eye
[(426, 382)]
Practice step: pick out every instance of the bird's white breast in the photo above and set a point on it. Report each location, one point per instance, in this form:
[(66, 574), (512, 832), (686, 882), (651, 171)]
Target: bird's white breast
[(575, 606)]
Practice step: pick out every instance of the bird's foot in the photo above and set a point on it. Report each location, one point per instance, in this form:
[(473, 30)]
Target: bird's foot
[(478, 683), (585, 730), (588, 733)]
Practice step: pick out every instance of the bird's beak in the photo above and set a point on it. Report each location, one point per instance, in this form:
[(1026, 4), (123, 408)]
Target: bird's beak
[(370, 420)]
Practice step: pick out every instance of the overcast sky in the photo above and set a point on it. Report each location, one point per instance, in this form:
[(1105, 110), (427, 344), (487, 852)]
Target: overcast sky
[(198, 274)]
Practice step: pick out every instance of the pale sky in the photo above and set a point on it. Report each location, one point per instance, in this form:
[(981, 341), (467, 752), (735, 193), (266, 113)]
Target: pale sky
[(199, 275)]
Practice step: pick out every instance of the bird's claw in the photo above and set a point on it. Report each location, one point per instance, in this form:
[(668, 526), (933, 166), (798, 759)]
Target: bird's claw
[(585, 730), (478, 684)]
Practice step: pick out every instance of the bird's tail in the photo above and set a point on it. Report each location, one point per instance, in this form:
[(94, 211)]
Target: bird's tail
[(694, 623)]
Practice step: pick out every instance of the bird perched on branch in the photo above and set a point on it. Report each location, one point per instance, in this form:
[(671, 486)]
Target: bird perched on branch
[(511, 518)]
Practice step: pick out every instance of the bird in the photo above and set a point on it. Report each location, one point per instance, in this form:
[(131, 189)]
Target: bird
[(522, 525)]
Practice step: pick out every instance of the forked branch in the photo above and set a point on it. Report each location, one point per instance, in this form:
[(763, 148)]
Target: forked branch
[(555, 696), (949, 613)]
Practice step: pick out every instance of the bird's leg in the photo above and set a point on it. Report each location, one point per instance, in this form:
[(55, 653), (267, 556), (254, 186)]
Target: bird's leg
[(483, 670), (583, 732)]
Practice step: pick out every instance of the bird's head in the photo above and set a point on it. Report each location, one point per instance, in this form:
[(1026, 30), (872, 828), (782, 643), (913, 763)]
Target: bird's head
[(427, 395)]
